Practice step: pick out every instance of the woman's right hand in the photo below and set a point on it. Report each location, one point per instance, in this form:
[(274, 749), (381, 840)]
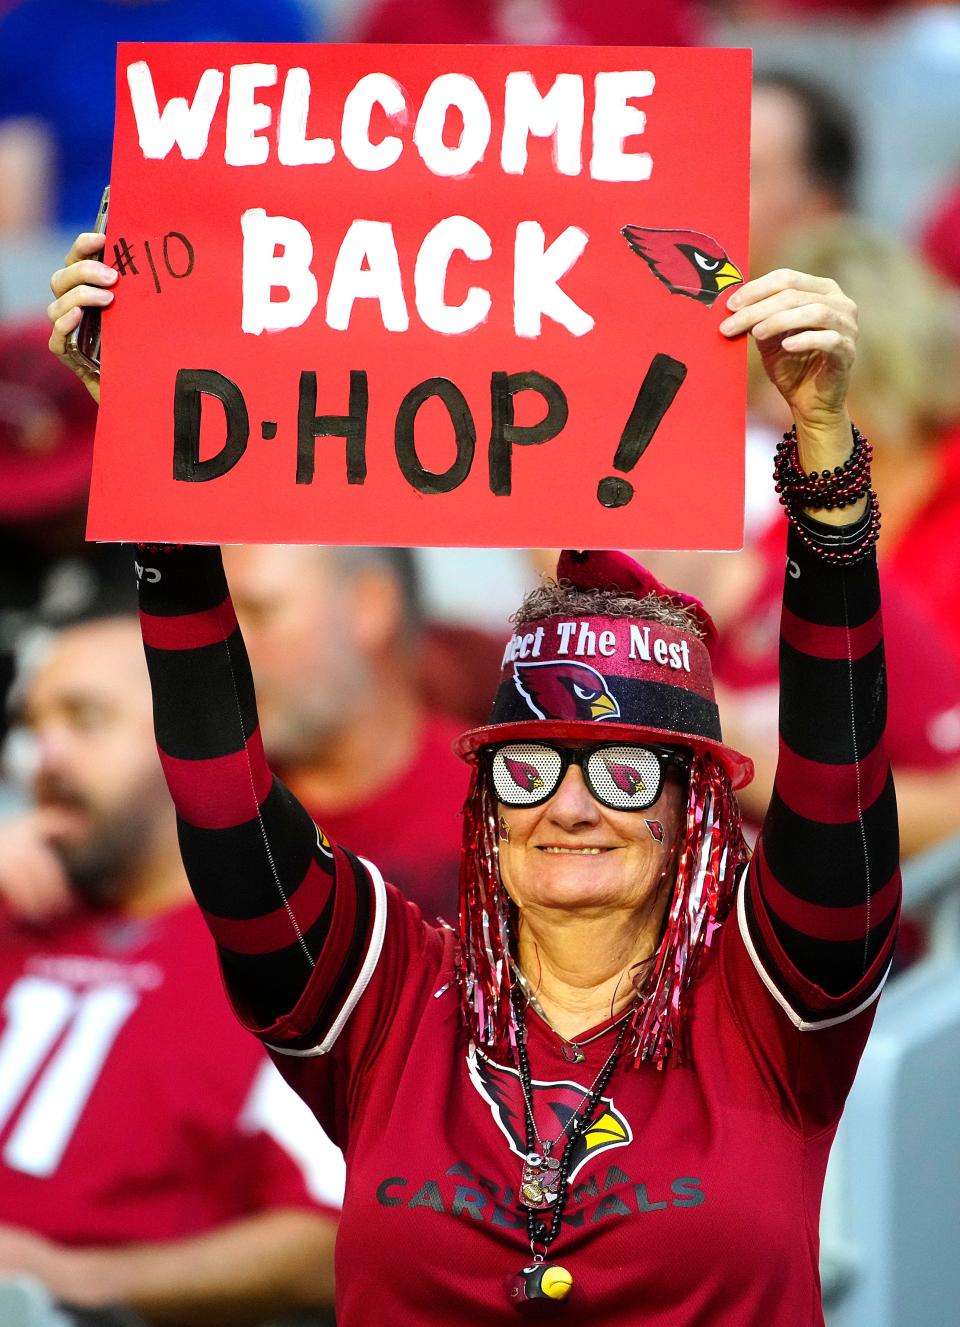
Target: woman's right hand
[(83, 282)]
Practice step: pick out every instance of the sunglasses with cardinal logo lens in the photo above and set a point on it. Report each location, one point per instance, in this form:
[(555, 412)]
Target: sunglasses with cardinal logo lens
[(620, 776)]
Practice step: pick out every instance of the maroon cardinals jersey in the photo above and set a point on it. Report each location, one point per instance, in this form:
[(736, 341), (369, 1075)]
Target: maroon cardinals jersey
[(696, 1190), (694, 1195), (131, 1105)]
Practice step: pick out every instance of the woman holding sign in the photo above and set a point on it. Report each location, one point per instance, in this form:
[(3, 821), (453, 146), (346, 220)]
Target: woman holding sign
[(613, 1093)]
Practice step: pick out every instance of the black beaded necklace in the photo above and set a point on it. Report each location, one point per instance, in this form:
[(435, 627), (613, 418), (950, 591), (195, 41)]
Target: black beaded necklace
[(544, 1185), (572, 1051)]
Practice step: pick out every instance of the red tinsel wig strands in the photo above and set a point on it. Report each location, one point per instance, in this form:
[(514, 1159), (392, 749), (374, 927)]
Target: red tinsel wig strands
[(483, 955), (709, 854)]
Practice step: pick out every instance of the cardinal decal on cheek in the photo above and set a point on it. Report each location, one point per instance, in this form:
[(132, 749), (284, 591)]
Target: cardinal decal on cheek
[(565, 691), (686, 261)]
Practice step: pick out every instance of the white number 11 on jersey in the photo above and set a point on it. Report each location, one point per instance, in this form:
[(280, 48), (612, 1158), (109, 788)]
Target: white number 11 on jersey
[(40, 1012)]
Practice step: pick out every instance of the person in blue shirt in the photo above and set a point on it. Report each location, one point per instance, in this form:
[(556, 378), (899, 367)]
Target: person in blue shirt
[(56, 135)]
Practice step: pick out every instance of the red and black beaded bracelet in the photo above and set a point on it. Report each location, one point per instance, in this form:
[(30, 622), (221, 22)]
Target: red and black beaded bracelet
[(825, 490)]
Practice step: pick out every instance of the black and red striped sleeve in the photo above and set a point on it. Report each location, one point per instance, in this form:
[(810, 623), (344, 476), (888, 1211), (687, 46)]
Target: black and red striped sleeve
[(820, 905), (297, 921)]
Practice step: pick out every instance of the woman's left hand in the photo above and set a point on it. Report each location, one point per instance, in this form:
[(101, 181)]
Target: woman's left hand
[(805, 328)]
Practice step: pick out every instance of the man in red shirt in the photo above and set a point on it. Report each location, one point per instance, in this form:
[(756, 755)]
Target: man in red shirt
[(138, 1166), (333, 635)]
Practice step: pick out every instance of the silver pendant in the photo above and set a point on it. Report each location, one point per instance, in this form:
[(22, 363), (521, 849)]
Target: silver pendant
[(540, 1181), (572, 1053)]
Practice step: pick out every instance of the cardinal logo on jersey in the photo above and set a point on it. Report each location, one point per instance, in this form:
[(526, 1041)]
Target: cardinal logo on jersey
[(554, 1105), (565, 691), (686, 261)]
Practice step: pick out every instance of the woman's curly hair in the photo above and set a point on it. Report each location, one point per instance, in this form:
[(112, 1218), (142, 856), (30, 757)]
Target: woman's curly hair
[(562, 599)]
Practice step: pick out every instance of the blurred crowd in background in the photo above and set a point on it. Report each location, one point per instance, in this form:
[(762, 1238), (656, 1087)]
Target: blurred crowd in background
[(855, 175)]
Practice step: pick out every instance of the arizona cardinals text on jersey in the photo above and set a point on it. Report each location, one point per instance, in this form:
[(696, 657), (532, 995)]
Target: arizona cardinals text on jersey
[(697, 1195)]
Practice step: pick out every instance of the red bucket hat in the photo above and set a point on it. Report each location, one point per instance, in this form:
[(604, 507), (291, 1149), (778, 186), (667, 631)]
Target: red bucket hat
[(610, 678), (47, 422)]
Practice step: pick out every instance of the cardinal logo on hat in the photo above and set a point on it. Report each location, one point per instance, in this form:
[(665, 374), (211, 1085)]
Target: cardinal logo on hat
[(686, 261), (554, 1105), (565, 691)]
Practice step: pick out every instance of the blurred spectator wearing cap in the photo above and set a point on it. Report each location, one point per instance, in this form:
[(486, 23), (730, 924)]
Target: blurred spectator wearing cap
[(47, 433), (56, 136), (554, 22), (335, 637), (46, 443)]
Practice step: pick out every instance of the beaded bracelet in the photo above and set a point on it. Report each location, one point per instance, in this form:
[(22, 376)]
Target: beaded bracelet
[(824, 490)]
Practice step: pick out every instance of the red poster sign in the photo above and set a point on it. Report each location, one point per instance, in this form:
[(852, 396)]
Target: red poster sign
[(425, 295)]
